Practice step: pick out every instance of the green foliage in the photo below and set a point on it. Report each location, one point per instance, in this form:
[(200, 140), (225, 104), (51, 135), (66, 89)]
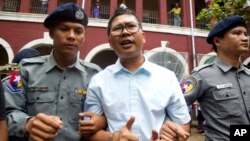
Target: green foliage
[(220, 9)]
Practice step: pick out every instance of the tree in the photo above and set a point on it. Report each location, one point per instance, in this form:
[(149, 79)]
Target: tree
[(217, 10)]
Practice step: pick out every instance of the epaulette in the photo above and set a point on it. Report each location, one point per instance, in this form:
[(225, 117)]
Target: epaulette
[(34, 60), (5, 78), (202, 67), (247, 66), (90, 65)]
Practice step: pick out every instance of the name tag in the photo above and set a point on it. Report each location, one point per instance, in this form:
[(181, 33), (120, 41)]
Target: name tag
[(39, 89), (228, 85)]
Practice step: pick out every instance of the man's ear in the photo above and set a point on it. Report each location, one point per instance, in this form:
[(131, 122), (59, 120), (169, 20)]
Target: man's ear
[(144, 38), (51, 31), (110, 44), (216, 40)]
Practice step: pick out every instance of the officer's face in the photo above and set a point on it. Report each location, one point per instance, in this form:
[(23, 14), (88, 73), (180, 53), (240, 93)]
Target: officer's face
[(126, 37), (234, 43), (68, 38)]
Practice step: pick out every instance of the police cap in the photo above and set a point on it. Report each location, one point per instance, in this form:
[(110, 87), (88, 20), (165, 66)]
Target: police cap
[(66, 12), (225, 25)]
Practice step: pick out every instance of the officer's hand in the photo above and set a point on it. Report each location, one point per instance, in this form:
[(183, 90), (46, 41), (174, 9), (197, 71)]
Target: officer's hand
[(43, 127), (125, 134), (90, 123), (171, 131)]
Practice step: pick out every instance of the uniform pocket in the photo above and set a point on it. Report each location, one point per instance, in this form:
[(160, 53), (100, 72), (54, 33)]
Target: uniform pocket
[(40, 101), (227, 102), (75, 107)]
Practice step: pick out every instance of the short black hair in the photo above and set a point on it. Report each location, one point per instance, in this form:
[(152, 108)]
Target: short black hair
[(121, 11)]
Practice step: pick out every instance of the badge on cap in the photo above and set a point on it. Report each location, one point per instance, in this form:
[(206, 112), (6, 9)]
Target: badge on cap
[(79, 15)]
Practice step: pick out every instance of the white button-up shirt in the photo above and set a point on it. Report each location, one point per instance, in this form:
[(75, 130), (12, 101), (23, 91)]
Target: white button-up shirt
[(149, 94)]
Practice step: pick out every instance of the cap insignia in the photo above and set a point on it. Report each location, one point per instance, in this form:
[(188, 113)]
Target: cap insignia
[(79, 15)]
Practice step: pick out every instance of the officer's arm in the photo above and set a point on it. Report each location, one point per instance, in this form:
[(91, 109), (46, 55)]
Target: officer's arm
[(192, 88), (16, 114)]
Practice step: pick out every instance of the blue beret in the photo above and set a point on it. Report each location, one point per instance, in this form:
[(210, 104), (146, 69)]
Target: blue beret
[(66, 12), (225, 25), (25, 53)]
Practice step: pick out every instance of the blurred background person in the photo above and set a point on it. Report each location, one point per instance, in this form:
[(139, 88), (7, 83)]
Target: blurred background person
[(177, 14)]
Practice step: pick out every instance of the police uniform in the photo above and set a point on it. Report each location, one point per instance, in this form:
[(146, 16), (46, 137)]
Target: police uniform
[(222, 90), (49, 89)]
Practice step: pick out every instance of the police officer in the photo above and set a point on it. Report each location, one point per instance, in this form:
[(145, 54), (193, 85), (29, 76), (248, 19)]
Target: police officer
[(54, 86), (222, 87)]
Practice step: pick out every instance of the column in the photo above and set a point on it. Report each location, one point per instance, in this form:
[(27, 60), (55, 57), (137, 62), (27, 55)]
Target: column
[(79, 2), (163, 11), (87, 7), (185, 5), (139, 9), (24, 6), (113, 6), (52, 5)]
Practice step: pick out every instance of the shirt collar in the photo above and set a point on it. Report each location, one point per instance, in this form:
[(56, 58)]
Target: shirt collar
[(51, 63), (145, 68), (226, 67)]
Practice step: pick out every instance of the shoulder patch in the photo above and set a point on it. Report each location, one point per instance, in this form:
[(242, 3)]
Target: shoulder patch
[(202, 67), (188, 84), (15, 84)]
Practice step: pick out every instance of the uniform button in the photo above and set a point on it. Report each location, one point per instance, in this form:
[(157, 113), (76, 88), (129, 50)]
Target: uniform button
[(61, 97), (64, 77), (227, 95), (37, 98), (244, 93)]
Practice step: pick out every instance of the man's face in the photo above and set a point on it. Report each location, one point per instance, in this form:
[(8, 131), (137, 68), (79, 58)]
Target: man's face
[(126, 37), (68, 38), (234, 43)]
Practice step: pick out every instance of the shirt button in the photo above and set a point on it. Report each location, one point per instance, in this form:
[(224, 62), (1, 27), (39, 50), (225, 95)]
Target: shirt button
[(61, 97), (64, 77), (37, 98), (244, 93)]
